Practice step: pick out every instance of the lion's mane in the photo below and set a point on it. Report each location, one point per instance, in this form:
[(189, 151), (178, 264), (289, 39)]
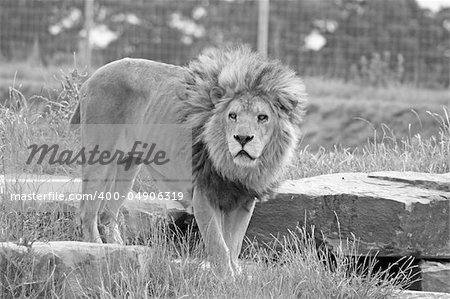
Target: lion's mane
[(239, 70)]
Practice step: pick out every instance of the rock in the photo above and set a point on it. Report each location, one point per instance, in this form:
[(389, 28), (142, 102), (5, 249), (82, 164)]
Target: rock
[(394, 213), (435, 276), (27, 184), (36, 189), (69, 262)]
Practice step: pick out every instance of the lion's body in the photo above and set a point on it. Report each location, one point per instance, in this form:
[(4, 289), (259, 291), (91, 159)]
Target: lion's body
[(142, 94), (229, 122)]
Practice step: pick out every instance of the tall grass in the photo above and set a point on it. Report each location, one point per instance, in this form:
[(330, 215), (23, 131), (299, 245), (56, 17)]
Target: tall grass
[(23, 123), (173, 271), (414, 153)]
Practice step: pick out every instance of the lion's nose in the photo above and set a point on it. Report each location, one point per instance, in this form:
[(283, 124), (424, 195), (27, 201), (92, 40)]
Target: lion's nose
[(243, 139)]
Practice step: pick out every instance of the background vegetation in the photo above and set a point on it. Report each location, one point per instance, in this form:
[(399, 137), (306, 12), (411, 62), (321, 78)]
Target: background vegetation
[(397, 41)]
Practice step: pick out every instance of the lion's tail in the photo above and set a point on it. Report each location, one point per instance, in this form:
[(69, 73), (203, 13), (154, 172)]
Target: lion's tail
[(75, 120)]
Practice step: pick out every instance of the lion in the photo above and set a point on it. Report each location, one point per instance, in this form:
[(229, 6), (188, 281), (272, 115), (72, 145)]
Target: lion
[(237, 116)]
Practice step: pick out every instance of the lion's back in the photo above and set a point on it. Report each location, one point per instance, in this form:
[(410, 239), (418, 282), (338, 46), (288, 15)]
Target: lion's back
[(131, 91)]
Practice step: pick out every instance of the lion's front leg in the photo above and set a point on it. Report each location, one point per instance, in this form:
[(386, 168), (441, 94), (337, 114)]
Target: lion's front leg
[(235, 225), (210, 221)]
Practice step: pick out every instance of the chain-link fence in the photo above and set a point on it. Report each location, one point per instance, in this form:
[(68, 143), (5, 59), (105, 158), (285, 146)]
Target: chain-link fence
[(377, 42)]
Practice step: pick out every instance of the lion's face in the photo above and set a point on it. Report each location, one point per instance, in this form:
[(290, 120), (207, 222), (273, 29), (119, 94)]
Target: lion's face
[(249, 125), (245, 113)]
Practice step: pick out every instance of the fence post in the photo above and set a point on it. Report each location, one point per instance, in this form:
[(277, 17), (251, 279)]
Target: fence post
[(88, 22), (263, 26)]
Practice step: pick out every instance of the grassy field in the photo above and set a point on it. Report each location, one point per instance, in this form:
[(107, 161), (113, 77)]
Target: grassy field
[(347, 127), (339, 137), (349, 115)]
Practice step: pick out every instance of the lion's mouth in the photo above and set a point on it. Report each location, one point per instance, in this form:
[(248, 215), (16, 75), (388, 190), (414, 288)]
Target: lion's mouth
[(243, 153)]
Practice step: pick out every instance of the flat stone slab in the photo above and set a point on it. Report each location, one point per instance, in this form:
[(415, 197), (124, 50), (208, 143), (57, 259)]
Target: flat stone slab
[(24, 183), (435, 276), (392, 213), (36, 189), (422, 295)]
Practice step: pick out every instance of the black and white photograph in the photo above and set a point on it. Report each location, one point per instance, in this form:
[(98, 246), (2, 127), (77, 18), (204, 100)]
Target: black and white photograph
[(225, 149)]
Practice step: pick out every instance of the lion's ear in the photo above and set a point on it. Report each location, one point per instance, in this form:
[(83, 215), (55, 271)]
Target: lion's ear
[(216, 94), (287, 104)]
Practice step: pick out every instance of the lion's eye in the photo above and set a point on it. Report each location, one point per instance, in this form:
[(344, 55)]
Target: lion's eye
[(232, 116), (262, 118)]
